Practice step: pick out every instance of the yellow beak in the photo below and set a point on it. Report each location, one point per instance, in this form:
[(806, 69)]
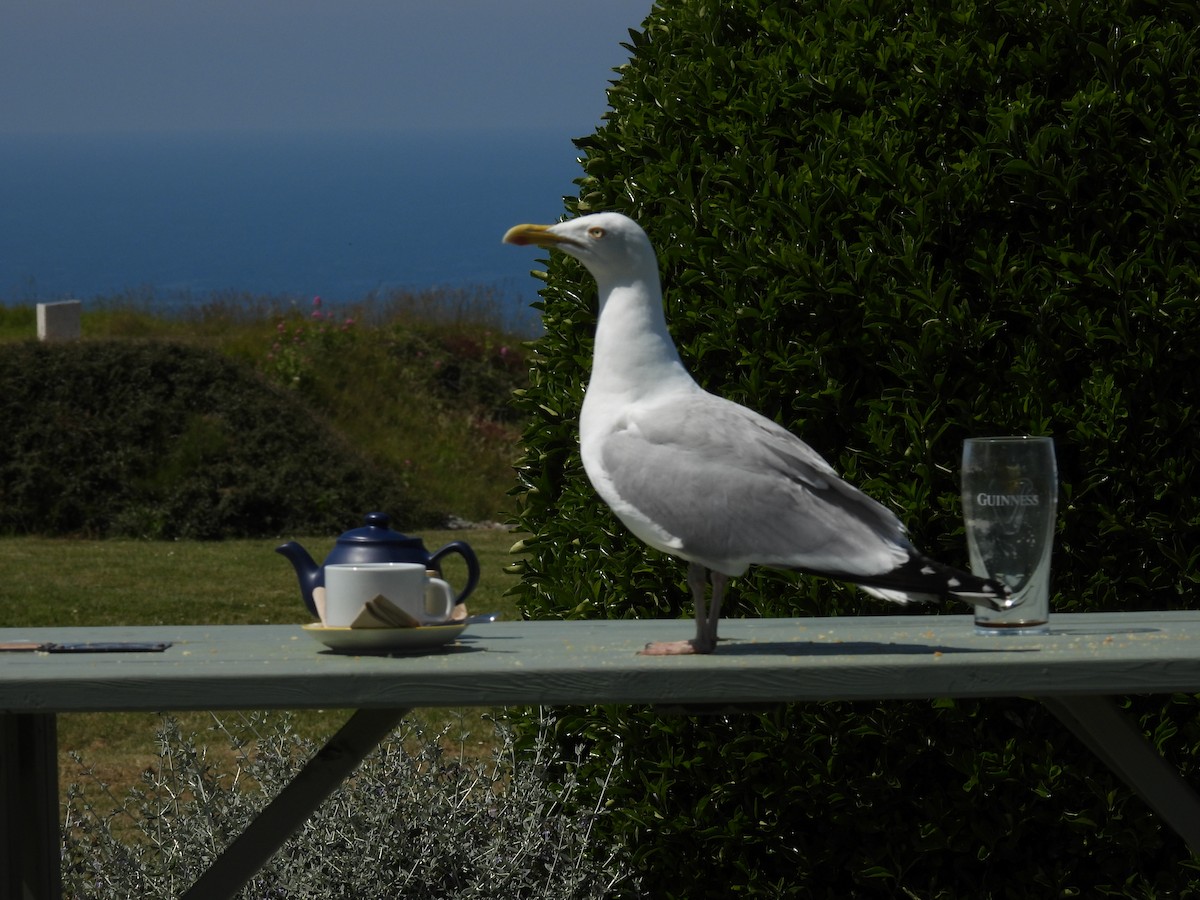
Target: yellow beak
[(541, 235)]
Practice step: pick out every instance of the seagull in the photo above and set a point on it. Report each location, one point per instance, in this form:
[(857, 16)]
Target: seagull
[(707, 480)]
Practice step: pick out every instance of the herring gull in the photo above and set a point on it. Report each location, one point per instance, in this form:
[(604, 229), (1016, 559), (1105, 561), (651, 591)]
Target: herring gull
[(706, 479)]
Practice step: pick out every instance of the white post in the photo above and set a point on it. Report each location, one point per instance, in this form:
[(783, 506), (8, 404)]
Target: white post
[(59, 321)]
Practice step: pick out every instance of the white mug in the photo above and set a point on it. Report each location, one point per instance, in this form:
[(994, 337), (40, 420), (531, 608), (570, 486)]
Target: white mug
[(348, 587)]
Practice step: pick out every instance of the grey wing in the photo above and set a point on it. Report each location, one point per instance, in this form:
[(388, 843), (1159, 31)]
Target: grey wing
[(734, 488)]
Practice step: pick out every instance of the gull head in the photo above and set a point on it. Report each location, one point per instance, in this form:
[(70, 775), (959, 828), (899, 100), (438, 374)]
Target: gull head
[(613, 247)]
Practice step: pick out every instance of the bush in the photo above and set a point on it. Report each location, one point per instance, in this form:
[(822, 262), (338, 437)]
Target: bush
[(164, 440), (446, 359), (414, 821), (425, 395), (889, 228)]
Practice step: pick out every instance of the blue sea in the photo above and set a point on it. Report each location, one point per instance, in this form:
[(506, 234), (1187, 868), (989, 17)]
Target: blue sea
[(177, 218)]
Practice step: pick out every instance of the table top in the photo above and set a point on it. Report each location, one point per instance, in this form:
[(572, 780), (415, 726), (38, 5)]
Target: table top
[(585, 662)]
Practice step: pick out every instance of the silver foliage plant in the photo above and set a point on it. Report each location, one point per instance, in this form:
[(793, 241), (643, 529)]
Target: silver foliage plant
[(415, 821)]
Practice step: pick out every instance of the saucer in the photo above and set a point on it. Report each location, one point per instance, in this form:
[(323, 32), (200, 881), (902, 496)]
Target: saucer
[(385, 640)]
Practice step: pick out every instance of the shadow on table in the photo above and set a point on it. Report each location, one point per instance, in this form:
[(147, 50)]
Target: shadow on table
[(736, 647), (456, 648)]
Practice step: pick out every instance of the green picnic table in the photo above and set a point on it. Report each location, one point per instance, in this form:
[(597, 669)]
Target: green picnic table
[(1074, 670)]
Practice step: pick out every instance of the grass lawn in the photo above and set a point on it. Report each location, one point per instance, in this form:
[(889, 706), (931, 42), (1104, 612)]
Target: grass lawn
[(49, 581)]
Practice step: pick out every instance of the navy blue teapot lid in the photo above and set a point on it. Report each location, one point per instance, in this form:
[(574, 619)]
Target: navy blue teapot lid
[(376, 531)]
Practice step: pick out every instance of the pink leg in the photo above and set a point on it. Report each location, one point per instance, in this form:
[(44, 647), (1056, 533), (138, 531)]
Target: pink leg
[(705, 640)]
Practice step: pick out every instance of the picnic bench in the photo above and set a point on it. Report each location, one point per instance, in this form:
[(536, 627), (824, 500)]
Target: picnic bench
[(1074, 670)]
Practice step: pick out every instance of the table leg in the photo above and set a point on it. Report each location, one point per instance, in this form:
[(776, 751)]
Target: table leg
[(295, 803), (30, 845), (1124, 749)]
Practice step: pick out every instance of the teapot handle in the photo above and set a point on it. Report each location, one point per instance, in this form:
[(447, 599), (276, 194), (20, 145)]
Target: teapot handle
[(464, 550)]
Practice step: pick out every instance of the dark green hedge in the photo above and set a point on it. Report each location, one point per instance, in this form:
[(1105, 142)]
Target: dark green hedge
[(106, 438), (890, 226)]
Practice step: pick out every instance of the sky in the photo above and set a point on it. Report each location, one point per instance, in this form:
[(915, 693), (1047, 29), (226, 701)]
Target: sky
[(86, 66), (536, 69)]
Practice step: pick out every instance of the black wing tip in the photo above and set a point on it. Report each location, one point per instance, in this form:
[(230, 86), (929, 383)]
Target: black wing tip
[(930, 580), (923, 575)]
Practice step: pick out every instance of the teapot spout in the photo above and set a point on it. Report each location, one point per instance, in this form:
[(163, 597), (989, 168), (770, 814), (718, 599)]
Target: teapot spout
[(308, 573)]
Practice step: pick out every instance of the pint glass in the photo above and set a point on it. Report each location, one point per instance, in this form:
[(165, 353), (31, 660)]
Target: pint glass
[(1009, 497)]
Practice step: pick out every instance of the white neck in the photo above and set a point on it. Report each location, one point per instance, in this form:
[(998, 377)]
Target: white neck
[(634, 356)]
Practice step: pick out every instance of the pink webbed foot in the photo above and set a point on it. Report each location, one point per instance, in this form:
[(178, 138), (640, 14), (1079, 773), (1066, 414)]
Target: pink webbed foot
[(676, 648)]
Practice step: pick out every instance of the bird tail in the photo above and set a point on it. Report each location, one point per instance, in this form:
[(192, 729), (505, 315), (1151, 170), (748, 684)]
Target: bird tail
[(924, 580)]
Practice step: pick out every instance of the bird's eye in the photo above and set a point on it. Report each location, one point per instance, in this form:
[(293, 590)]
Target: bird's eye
[(596, 232)]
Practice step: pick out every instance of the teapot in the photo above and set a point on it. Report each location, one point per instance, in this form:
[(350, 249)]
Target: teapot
[(375, 542)]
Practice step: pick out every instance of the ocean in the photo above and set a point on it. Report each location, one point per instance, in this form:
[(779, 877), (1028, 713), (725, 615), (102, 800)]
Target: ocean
[(177, 218)]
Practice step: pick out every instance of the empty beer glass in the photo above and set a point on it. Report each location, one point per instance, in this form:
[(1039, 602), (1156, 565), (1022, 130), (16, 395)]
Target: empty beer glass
[(1009, 497)]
